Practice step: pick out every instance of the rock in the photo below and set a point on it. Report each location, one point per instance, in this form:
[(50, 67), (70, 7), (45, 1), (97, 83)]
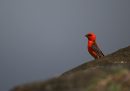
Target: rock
[(110, 73)]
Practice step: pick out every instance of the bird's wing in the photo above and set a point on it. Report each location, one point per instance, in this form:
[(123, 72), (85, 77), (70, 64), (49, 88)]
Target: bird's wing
[(97, 50)]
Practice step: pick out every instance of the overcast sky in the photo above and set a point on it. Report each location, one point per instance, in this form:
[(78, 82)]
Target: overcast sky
[(40, 39)]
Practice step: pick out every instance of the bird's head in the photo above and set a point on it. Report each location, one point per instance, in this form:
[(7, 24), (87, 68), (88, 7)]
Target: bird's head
[(91, 36)]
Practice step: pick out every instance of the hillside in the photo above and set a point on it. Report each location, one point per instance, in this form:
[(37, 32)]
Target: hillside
[(110, 73)]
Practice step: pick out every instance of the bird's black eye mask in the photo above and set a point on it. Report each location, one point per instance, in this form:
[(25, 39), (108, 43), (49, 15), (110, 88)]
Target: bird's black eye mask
[(88, 35)]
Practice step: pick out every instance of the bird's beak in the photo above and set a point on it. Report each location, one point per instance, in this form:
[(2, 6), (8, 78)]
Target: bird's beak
[(86, 35)]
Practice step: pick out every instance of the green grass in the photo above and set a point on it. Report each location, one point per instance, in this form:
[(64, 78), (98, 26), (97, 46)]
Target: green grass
[(114, 87)]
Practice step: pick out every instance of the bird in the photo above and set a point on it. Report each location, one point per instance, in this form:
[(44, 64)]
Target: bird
[(92, 46)]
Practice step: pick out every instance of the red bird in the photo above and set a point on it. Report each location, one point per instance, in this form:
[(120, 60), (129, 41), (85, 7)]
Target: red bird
[(93, 48)]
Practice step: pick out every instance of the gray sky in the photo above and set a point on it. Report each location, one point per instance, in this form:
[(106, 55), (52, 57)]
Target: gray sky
[(40, 39)]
